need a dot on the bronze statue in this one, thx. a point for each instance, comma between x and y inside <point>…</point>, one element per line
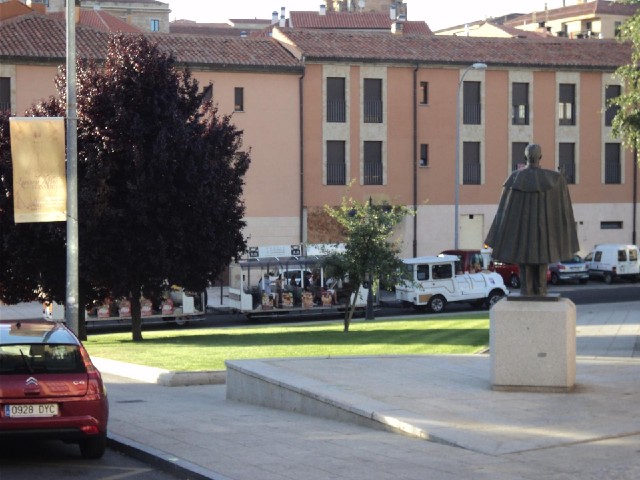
<point>534,225</point>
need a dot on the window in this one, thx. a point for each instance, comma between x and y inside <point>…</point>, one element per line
<point>520,104</point>
<point>373,163</point>
<point>336,105</point>
<point>372,100</point>
<point>566,164</point>
<point>424,155</point>
<point>422,272</point>
<point>612,166</point>
<point>155,25</point>
<point>566,105</point>
<point>424,93</point>
<point>239,99</point>
<point>611,92</point>
<point>518,159</point>
<point>617,27</point>
<point>608,225</point>
<point>471,109</point>
<point>471,163</point>
<point>336,165</point>
<point>441,271</point>
<point>207,93</point>
<point>30,358</point>
<point>5,93</point>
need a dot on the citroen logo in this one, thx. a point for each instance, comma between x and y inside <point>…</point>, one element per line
<point>31,381</point>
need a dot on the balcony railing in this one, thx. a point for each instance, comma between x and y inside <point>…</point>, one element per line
<point>5,106</point>
<point>471,174</point>
<point>373,111</point>
<point>336,173</point>
<point>612,172</point>
<point>471,113</point>
<point>336,111</point>
<point>372,173</point>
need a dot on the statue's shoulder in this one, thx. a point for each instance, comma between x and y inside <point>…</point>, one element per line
<point>533,180</point>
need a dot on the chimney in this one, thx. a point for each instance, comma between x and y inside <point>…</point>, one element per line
<point>392,12</point>
<point>274,17</point>
<point>397,28</point>
<point>283,20</point>
<point>323,10</point>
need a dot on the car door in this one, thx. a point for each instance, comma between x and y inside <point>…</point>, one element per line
<point>442,279</point>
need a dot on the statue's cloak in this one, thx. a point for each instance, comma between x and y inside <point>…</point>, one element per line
<point>534,223</point>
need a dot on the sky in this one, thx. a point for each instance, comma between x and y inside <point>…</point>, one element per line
<point>437,13</point>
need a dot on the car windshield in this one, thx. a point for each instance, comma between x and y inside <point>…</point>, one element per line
<point>29,358</point>
<point>575,259</point>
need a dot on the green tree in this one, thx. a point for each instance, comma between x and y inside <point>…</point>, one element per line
<point>370,255</point>
<point>160,176</point>
<point>626,123</point>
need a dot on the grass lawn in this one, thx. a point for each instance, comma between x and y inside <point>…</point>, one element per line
<point>207,349</point>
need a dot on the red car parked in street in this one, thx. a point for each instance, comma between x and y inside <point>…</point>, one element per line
<point>49,388</point>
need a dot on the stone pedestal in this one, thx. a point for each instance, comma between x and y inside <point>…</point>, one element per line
<point>533,345</point>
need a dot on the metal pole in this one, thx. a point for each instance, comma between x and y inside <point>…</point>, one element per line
<point>456,242</point>
<point>634,203</point>
<point>72,293</point>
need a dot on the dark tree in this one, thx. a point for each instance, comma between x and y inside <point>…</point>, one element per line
<point>160,176</point>
<point>31,254</point>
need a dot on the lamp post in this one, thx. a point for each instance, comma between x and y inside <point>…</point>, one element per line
<point>475,66</point>
<point>72,291</point>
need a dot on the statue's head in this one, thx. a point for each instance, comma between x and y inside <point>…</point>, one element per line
<point>533,154</point>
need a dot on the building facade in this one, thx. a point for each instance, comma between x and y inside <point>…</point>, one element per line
<point>399,118</point>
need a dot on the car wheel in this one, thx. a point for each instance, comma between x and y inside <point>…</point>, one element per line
<point>554,278</point>
<point>608,278</point>
<point>494,297</point>
<point>437,304</point>
<point>93,447</point>
<point>514,281</point>
<point>583,281</point>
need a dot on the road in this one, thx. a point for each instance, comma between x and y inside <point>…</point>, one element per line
<point>52,460</point>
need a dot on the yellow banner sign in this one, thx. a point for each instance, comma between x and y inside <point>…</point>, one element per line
<point>39,181</point>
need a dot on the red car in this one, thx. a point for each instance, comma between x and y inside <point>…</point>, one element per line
<point>49,387</point>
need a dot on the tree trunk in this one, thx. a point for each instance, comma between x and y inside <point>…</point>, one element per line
<point>351,307</point>
<point>136,318</point>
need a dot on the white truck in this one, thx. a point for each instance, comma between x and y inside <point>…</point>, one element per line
<point>432,284</point>
<point>610,261</point>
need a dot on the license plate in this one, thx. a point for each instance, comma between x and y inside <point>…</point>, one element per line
<point>36,410</point>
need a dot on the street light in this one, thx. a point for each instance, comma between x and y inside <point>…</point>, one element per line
<point>475,66</point>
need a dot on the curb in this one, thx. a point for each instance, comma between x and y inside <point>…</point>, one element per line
<point>161,460</point>
<point>160,376</point>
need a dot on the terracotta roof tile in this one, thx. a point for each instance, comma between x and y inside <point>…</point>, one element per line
<point>351,21</point>
<point>551,52</point>
<point>35,37</point>
<point>100,20</point>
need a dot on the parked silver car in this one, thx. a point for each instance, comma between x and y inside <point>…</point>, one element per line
<point>572,269</point>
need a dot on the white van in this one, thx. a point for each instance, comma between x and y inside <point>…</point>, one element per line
<point>614,260</point>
